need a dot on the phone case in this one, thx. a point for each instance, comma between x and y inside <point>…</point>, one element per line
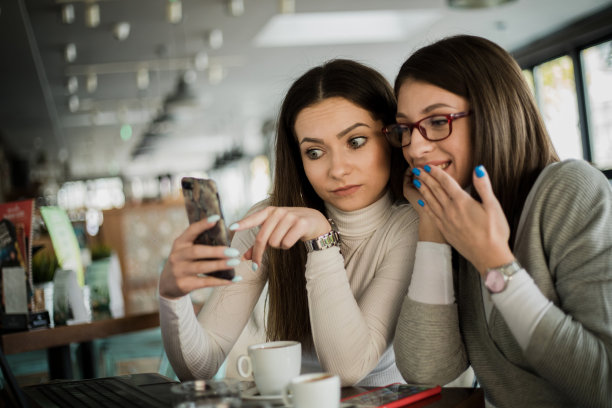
<point>391,396</point>
<point>202,201</point>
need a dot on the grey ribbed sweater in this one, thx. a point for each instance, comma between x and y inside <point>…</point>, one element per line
<point>564,241</point>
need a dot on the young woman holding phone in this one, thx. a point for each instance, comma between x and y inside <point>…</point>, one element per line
<point>517,245</point>
<point>333,244</point>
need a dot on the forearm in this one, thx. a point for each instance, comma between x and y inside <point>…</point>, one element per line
<point>189,349</point>
<point>344,342</point>
<point>428,345</point>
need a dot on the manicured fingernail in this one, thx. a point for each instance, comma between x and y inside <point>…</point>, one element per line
<point>480,171</point>
<point>254,266</point>
<point>237,278</point>
<point>213,218</point>
<point>234,226</point>
<point>233,262</point>
<point>427,168</point>
<point>416,171</point>
<point>417,183</point>
<point>421,203</point>
<point>231,252</point>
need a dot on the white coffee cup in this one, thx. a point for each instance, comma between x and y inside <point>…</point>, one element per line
<point>272,364</point>
<point>316,390</point>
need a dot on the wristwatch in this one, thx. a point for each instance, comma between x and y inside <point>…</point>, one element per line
<point>496,279</point>
<point>332,238</point>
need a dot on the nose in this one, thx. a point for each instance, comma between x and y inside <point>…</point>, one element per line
<point>340,164</point>
<point>418,146</point>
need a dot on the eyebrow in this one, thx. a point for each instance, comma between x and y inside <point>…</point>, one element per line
<point>427,110</point>
<point>339,135</point>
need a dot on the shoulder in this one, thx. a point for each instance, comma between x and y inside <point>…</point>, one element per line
<point>402,219</point>
<point>567,184</point>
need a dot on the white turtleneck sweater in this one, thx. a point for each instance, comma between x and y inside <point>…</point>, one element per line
<point>354,297</point>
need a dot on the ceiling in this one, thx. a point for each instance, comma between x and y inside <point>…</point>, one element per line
<point>238,86</point>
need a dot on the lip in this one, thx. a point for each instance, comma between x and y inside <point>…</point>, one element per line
<point>346,190</point>
<point>436,163</point>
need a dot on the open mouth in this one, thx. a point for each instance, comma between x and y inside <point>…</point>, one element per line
<point>444,165</point>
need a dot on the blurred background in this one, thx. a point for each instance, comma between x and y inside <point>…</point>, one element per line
<point>106,104</point>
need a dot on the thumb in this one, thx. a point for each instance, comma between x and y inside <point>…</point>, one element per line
<point>483,187</point>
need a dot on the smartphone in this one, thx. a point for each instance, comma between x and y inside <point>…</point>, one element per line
<point>202,201</point>
<point>391,396</point>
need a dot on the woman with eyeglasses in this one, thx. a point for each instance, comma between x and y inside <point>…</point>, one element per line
<point>517,246</point>
<point>332,242</point>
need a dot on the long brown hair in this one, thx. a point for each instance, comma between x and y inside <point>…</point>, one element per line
<point>507,132</point>
<point>288,316</point>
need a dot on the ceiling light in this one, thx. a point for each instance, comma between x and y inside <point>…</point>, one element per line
<point>121,30</point>
<point>468,4</point>
<point>70,52</point>
<point>356,27</point>
<point>73,103</point>
<point>286,6</point>
<point>174,11</point>
<point>200,61</point>
<point>235,7</point>
<point>216,73</point>
<point>142,78</point>
<point>72,85</point>
<point>92,15</point>
<point>91,83</point>
<point>67,14</point>
<point>215,38</point>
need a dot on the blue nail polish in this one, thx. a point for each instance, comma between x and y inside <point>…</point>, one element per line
<point>427,168</point>
<point>233,262</point>
<point>237,278</point>
<point>417,183</point>
<point>480,171</point>
<point>421,203</point>
<point>416,171</point>
<point>233,227</point>
<point>231,252</point>
<point>254,266</point>
<point>213,218</point>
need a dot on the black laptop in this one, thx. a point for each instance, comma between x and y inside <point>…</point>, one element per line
<point>135,390</point>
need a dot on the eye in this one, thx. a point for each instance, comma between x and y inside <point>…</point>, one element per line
<point>357,142</point>
<point>438,121</point>
<point>314,154</point>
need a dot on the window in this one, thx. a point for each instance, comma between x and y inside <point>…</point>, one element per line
<point>597,63</point>
<point>556,95</point>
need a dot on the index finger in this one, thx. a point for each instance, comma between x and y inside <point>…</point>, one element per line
<point>450,186</point>
<point>252,220</point>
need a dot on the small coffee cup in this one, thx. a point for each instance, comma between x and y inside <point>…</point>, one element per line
<point>272,365</point>
<point>317,390</point>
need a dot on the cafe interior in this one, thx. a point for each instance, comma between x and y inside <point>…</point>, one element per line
<point>106,104</point>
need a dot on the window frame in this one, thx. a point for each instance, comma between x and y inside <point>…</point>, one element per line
<point>571,41</point>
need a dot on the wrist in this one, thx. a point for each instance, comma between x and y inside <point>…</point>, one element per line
<point>429,233</point>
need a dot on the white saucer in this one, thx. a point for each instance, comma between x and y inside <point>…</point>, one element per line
<point>252,394</point>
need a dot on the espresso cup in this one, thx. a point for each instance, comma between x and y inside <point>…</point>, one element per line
<point>272,365</point>
<point>317,390</point>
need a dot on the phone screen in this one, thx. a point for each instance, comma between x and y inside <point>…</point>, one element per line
<point>393,395</point>
<point>202,201</point>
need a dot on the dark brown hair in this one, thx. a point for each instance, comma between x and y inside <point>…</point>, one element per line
<point>507,132</point>
<point>288,316</point>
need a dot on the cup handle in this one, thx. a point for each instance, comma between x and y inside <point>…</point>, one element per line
<point>287,396</point>
<point>239,363</point>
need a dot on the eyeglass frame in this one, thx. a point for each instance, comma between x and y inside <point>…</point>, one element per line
<point>450,117</point>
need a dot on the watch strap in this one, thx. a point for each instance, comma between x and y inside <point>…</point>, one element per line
<point>328,240</point>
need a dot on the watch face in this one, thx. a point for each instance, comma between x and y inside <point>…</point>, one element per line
<point>495,281</point>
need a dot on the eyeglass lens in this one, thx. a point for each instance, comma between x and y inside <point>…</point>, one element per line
<point>433,128</point>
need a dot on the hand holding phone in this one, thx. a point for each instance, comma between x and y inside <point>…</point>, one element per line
<point>202,201</point>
